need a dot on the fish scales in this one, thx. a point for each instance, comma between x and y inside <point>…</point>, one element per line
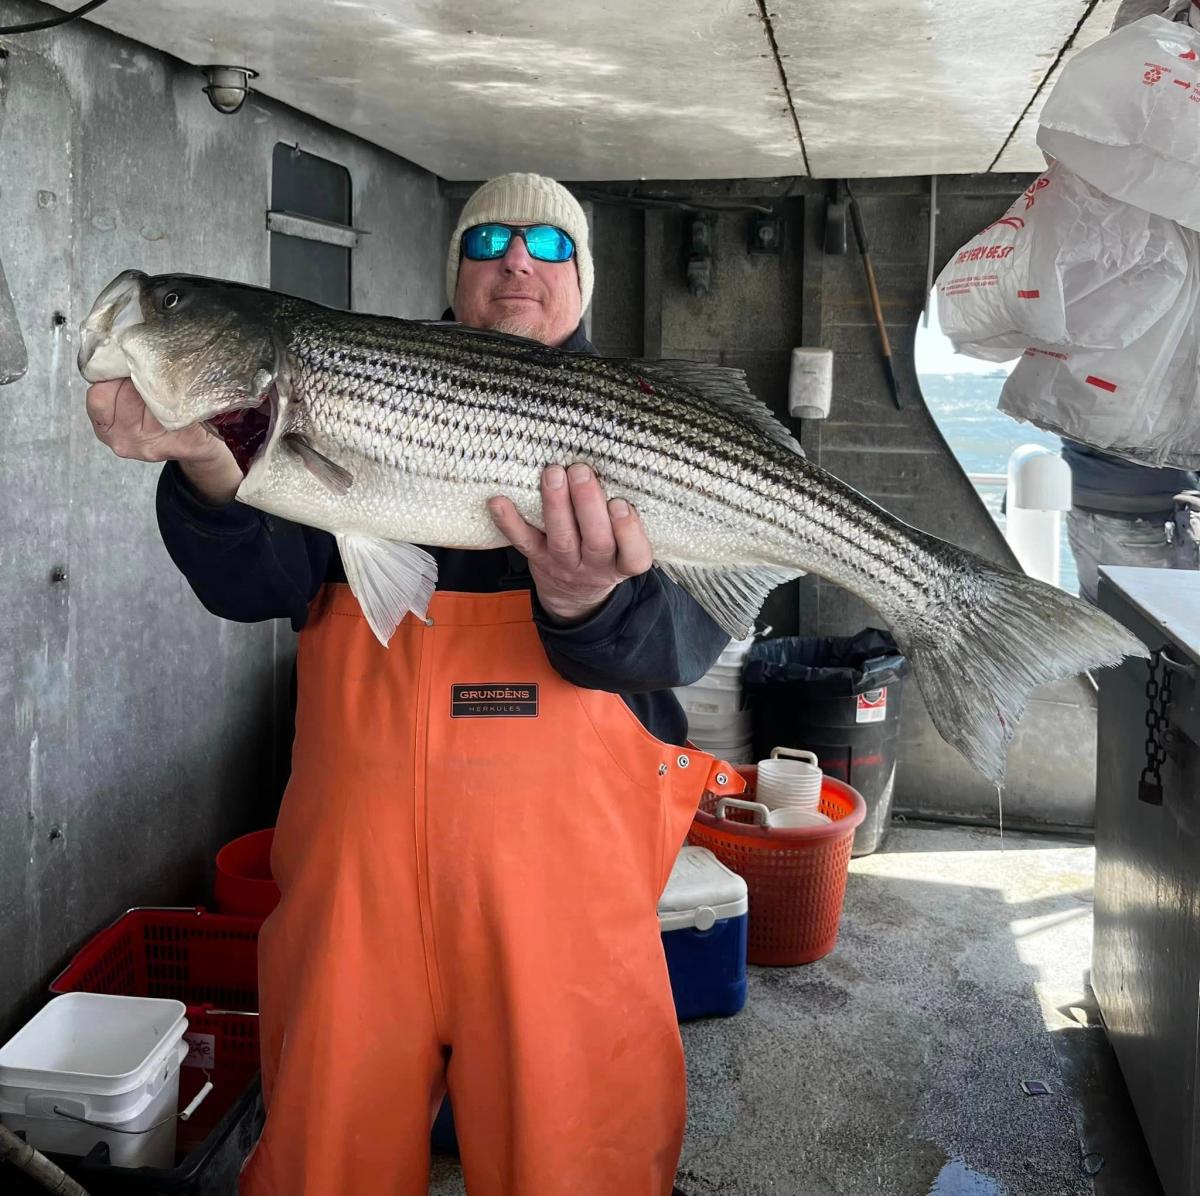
<point>405,423</point>
<point>460,420</point>
<point>383,431</point>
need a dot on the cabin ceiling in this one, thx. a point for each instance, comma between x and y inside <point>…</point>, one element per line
<point>625,89</point>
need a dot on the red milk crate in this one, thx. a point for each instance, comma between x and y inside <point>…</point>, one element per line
<point>207,961</point>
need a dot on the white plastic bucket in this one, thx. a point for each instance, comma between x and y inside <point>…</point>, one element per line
<point>725,731</point>
<point>732,753</point>
<point>790,780</point>
<point>722,680</point>
<point>725,668</point>
<point>696,699</point>
<point>111,1060</point>
<point>737,723</point>
<point>735,651</point>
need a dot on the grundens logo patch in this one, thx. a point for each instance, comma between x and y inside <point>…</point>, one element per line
<point>504,699</point>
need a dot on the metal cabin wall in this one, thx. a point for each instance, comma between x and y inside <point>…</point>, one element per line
<point>900,459</point>
<point>137,732</point>
<point>759,308</point>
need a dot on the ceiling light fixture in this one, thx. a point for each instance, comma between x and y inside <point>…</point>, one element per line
<point>228,86</point>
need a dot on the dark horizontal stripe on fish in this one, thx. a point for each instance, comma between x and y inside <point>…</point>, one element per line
<point>609,403</point>
<point>611,417</point>
<point>839,520</point>
<point>462,424</point>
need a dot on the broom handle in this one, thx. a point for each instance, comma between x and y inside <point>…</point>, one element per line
<point>860,234</point>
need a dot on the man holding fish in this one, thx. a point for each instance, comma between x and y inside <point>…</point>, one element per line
<point>477,827</point>
<point>482,814</point>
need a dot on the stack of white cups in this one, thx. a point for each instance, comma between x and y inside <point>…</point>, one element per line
<point>789,785</point>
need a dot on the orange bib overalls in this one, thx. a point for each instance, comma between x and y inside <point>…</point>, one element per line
<point>470,854</point>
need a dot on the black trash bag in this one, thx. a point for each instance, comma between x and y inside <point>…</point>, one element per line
<point>825,665</point>
<point>839,697</point>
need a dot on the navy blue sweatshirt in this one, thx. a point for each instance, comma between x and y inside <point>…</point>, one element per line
<point>1115,486</point>
<point>246,565</point>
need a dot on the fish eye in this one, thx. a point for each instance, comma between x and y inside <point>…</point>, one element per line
<point>169,300</point>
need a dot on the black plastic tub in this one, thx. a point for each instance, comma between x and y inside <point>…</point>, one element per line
<point>209,1170</point>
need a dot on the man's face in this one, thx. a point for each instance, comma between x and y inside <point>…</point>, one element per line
<point>520,295</point>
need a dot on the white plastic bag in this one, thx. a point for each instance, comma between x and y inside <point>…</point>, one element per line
<point>1065,265</point>
<point>1125,116</point>
<point>1141,402</point>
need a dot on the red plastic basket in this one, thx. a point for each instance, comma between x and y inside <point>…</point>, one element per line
<point>796,879</point>
<point>207,961</point>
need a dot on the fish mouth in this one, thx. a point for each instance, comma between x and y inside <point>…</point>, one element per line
<point>101,358</point>
<point>246,430</point>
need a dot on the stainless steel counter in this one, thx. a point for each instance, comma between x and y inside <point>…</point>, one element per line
<point>1146,954</point>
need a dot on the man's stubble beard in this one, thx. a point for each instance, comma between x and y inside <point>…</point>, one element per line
<point>528,326</point>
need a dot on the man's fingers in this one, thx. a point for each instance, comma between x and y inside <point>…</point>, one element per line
<point>597,544</point>
<point>558,515</point>
<point>525,538</point>
<point>101,403</point>
<point>117,412</point>
<point>635,554</point>
<point>132,416</point>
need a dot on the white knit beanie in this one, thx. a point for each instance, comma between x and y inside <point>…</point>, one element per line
<point>524,199</point>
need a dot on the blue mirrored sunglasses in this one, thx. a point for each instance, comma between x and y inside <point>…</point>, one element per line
<point>486,242</point>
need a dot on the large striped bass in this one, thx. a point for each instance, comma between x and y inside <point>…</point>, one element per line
<point>390,433</point>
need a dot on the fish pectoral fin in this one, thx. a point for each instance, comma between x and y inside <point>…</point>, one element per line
<point>329,473</point>
<point>388,578</point>
<point>733,597</point>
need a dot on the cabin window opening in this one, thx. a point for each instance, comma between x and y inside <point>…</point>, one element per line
<point>307,185</point>
<point>962,394</point>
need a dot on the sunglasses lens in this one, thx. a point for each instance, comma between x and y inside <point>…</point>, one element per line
<point>486,241</point>
<point>549,244</point>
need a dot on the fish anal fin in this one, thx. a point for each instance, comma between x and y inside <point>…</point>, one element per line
<point>388,578</point>
<point>733,597</point>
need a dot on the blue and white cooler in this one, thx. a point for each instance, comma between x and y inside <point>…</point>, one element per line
<point>702,916</point>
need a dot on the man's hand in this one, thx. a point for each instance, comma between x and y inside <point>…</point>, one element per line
<point>122,421</point>
<point>589,547</point>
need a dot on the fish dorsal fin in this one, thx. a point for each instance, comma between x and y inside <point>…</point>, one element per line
<point>388,578</point>
<point>723,387</point>
<point>733,597</point>
<point>488,334</point>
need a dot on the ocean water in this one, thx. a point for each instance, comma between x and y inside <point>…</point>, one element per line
<point>982,439</point>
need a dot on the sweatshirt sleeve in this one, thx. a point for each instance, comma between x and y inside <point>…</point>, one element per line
<point>650,634</point>
<point>242,564</point>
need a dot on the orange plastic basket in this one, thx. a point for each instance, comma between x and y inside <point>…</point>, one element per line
<point>796,878</point>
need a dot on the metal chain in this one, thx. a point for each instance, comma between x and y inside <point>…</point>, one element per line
<point>1158,723</point>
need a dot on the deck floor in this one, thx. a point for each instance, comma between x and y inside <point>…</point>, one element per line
<point>895,1064</point>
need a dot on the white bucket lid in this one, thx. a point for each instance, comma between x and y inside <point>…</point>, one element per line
<point>700,892</point>
<point>94,1043</point>
<point>736,649</point>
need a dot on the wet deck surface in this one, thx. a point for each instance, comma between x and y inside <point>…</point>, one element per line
<point>895,1065</point>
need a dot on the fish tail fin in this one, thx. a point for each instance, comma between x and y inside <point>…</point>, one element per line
<point>978,656</point>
